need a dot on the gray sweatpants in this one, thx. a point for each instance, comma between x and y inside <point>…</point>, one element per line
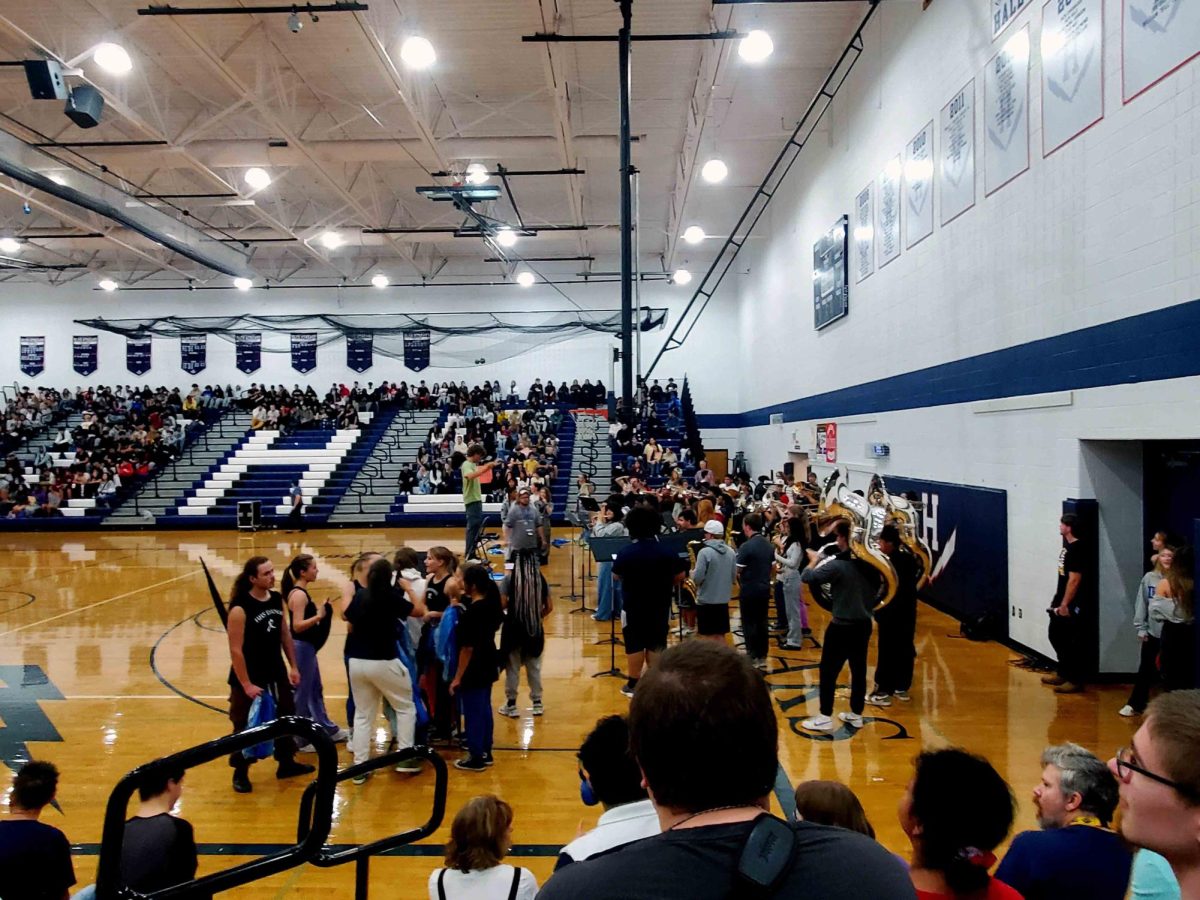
<point>512,675</point>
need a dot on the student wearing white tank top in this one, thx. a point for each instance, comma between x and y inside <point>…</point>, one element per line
<point>480,836</point>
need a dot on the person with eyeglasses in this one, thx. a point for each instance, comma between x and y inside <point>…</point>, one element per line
<point>1159,782</point>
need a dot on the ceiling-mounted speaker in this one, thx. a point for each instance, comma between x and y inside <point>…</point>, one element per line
<point>45,79</point>
<point>85,105</point>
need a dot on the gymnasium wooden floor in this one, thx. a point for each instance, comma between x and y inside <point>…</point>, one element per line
<point>111,655</point>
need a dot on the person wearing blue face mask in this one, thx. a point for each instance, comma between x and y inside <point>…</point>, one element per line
<point>609,775</point>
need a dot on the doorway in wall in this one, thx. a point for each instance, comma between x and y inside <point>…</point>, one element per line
<point>1172,489</point>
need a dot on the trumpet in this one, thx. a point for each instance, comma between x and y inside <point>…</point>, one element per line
<point>688,590</point>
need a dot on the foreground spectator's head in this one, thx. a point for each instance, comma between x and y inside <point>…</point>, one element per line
<point>831,803</point>
<point>480,835</point>
<point>956,811</point>
<point>607,768</point>
<point>1075,782</point>
<point>34,786</point>
<point>703,705</point>
<point>160,782</point>
<point>1159,777</point>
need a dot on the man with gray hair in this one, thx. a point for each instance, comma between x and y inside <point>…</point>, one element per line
<point>1075,855</point>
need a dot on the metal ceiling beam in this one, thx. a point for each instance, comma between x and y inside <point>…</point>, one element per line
<point>771,183</point>
<point>564,136</point>
<point>554,38</point>
<point>232,81</point>
<point>306,8</point>
<point>708,74</point>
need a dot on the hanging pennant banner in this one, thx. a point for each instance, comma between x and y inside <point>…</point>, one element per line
<point>85,357</point>
<point>416,349</point>
<point>1006,113</point>
<point>193,353</point>
<point>864,234</point>
<point>887,209</point>
<point>33,355</point>
<point>249,352</point>
<point>957,154</point>
<point>304,351</point>
<point>137,355</point>
<point>359,351</point>
<point>918,187</point>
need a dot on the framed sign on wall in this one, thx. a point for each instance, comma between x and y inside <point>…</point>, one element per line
<point>831,297</point>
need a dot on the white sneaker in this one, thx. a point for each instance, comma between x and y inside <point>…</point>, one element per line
<point>510,710</point>
<point>817,723</point>
<point>340,736</point>
<point>879,699</point>
<point>902,695</point>
<point>854,720</point>
<point>1128,711</point>
<point>309,748</point>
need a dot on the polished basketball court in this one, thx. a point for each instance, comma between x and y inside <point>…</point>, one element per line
<point>112,655</point>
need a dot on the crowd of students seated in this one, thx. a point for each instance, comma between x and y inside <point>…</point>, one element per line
<point>669,828</point>
<point>28,412</point>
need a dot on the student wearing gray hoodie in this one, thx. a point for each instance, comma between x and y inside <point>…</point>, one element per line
<point>716,566</point>
<point>1149,613</point>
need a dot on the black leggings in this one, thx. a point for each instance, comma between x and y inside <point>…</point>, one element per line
<point>1179,656</point>
<point>845,642</point>
<point>1147,674</point>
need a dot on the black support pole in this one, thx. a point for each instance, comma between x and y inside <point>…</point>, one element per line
<point>623,44</point>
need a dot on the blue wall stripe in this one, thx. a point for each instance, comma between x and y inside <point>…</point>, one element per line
<point>1151,346</point>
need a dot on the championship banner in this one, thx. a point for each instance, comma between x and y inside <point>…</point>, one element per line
<point>956,174</point>
<point>887,235</point>
<point>249,352</point>
<point>360,351</point>
<point>1006,113</point>
<point>304,351</point>
<point>864,234</point>
<point>967,530</point>
<point>33,355</point>
<point>918,187</point>
<point>86,352</point>
<point>193,353</point>
<point>416,349</point>
<point>1072,70</point>
<point>1004,11</point>
<point>1157,37</point>
<point>137,354</point>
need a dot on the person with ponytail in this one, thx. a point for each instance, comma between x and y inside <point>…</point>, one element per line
<point>522,639</point>
<point>478,663</point>
<point>376,670</point>
<point>256,635</point>
<point>310,630</point>
<point>956,811</point>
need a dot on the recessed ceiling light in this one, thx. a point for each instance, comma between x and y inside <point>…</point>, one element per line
<point>243,284</point>
<point>108,284</point>
<point>257,178</point>
<point>681,276</point>
<point>694,234</point>
<point>112,58</point>
<point>10,245</point>
<point>477,173</point>
<point>525,279</point>
<point>756,46</point>
<point>418,53</point>
<point>506,237</point>
<point>379,280</point>
<point>331,240</point>
<point>713,171</point>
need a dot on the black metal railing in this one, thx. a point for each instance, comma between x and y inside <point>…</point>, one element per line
<point>315,824</point>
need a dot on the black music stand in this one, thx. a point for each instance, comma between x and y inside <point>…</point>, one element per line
<point>578,521</point>
<point>605,549</point>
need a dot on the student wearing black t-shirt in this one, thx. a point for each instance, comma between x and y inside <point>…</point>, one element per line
<point>35,858</point>
<point>376,670</point>
<point>258,632</point>
<point>310,630</point>
<point>647,572</point>
<point>440,566</point>
<point>478,663</point>
<point>704,705</point>
<point>1068,613</point>
<point>897,624</point>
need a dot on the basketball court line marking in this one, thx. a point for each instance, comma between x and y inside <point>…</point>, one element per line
<point>98,603</point>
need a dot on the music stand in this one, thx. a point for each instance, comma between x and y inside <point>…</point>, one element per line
<point>605,549</point>
<point>577,520</point>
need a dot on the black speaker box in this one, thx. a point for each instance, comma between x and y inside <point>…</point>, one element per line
<point>85,105</point>
<point>45,79</point>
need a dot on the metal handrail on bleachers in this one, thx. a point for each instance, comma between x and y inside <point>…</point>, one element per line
<point>313,829</point>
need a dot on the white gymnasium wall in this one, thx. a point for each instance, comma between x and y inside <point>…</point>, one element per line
<point>1105,228</point>
<point>41,310</point>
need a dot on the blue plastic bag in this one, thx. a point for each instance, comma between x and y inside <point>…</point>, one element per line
<point>262,711</point>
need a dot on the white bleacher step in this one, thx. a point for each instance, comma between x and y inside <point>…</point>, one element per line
<point>72,511</point>
<point>442,503</point>
<point>80,503</point>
